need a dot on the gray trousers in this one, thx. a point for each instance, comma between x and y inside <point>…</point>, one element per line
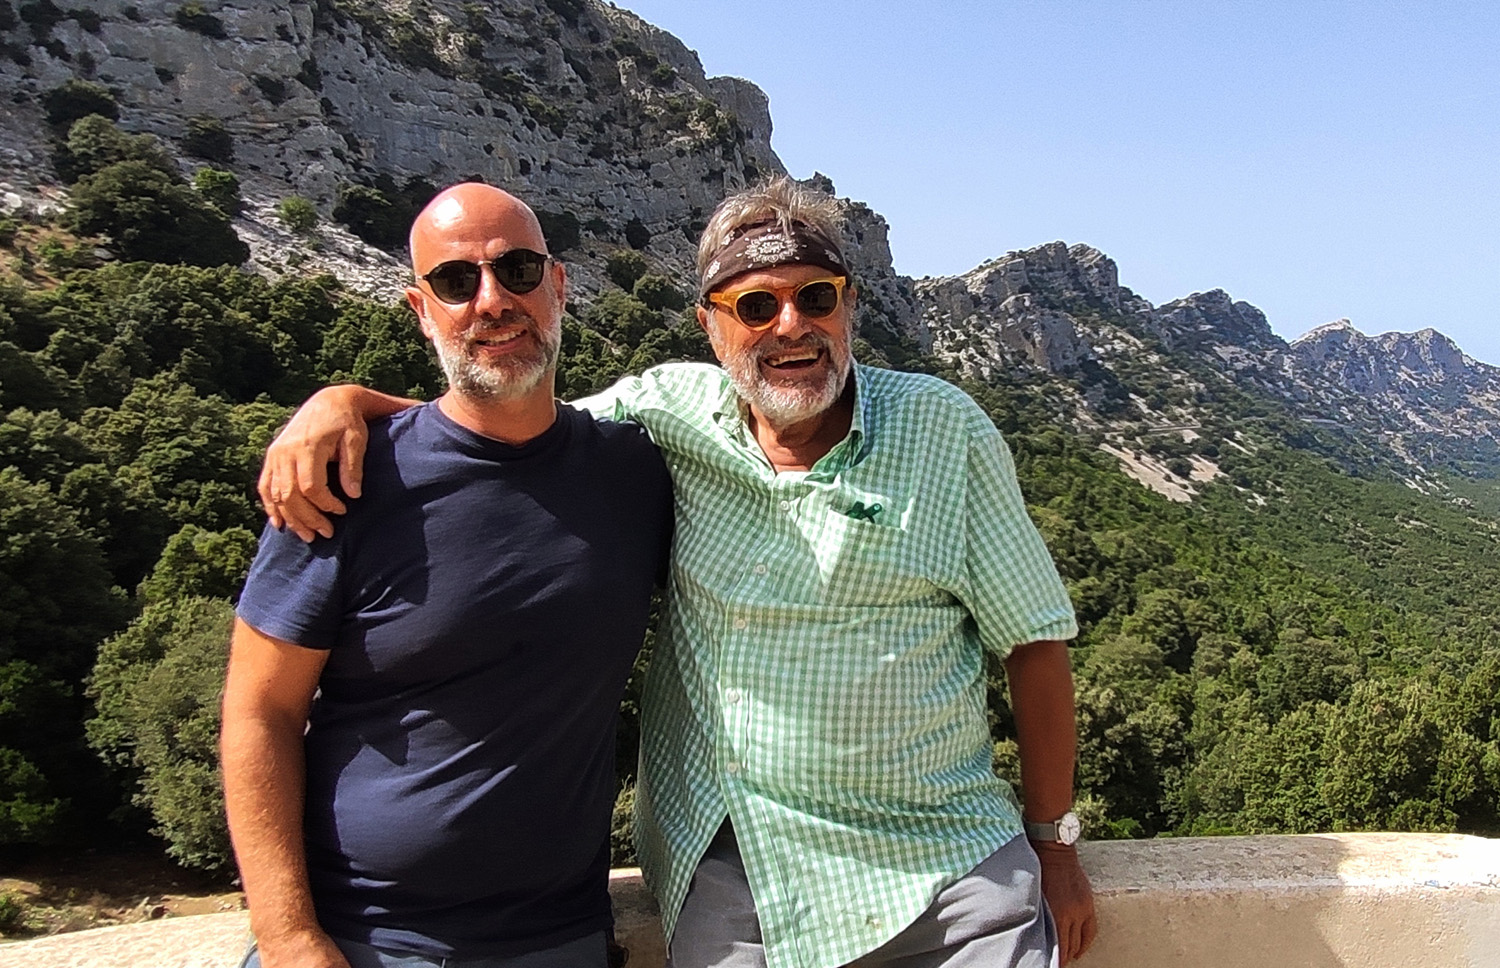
<point>992,917</point>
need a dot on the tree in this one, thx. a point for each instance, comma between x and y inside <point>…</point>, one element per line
<point>151,216</point>
<point>658,293</point>
<point>156,687</point>
<point>1384,757</point>
<point>624,267</point>
<point>74,99</point>
<point>207,138</point>
<point>94,143</point>
<point>221,188</point>
<point>381,347</point>
<point>297,214</point>
<point>207,564</point>
<point>369,214</point>
<point>55,604</point>
<point>621,317</point>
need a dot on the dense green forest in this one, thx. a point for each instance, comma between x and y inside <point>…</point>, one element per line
<point>1301,649</point>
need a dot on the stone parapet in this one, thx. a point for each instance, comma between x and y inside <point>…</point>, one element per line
<point>1315,901</point>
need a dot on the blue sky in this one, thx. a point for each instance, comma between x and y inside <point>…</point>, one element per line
<point>1317,159</point>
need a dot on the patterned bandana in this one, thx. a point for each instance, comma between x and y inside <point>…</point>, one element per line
<point>765,245</point>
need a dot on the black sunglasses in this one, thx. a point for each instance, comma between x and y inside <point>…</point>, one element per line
<point>519,271</point>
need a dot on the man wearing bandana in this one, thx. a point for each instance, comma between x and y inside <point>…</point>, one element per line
<point>815,784</point>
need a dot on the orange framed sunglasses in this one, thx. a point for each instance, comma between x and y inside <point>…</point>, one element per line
<point>757,309</point>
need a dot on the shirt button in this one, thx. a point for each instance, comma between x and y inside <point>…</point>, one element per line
<point>760,569</point>
<point>732,696</point>
<point>740,623</point>
<point>732,767</point>
<point>786,505</point>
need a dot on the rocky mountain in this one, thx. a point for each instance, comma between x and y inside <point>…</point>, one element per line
<point>611,129</point>
<point>1060,311</point>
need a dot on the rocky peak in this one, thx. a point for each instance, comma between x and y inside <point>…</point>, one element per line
<point>1405,365</point>
<point>1206,320</point>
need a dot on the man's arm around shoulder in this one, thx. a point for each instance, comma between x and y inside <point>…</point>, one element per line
<point>267,695</point>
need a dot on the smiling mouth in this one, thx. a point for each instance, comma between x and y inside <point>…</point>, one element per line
<point>500,339</point>
<point>794,360</point>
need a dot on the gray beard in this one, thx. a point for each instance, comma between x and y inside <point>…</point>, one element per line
<point>782,406</point>
<point>505,380</point>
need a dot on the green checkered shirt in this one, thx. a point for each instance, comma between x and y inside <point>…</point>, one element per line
<point>819,677</point>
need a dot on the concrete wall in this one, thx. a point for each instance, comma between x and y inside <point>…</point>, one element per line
<point>1317,901</point>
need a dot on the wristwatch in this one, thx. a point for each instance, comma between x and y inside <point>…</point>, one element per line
<point>1064,830</point>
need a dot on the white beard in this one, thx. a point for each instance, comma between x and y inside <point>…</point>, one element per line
<point>782,405</point>
<point>505,379</point>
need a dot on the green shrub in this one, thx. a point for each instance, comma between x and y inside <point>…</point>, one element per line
<point>9,229</point>
<point>297,214</point>
<point>151,216</point>
<point>659,293</point>
<point>192,16</point>
<point>624,267</point>
<point>221,188</point>
<point>13,916</point>
<point>622,317</point>
<point>209,564</point>
<point>371,215</point>
<point>74,99</point>
<point>94,143</point>
<point>662,75</point>
<point>156,687</point>
<point>207,138</point>
<point>60,256</point>
<point>621,832</point>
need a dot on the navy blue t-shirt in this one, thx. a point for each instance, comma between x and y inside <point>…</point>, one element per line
<point>482,605</point>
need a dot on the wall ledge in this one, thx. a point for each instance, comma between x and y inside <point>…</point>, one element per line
<point>1314,901</point>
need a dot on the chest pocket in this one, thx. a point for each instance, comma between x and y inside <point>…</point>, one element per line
<point>867,554</point>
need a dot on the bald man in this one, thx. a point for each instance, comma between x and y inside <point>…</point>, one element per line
<point>419,716</point>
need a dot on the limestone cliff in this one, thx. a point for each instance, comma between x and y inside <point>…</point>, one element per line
<point>613,132</point>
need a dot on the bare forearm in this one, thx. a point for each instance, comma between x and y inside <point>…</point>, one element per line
<point>264,779</point>
<point>369,404</point>
<point>1041,697</point>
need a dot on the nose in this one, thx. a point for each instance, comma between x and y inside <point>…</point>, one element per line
<point>790,322</point>
<point>492,299</point>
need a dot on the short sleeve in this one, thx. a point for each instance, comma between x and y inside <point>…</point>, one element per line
<point>617,402</point>
<point>293,591</point>
<point>1013,589</point>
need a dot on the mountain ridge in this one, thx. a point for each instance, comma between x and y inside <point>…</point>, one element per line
<point>612,130</point>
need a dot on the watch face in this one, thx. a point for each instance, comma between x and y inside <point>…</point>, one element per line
<point>1068,828</point>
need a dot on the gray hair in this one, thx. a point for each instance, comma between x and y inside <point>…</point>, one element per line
<point>781,198</point>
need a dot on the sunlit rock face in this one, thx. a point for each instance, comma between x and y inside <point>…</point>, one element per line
<point>609,127</point>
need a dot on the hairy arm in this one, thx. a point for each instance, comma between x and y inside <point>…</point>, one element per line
<point>267,695</point>
<point>1041,696</point>
<point>329,426</point>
